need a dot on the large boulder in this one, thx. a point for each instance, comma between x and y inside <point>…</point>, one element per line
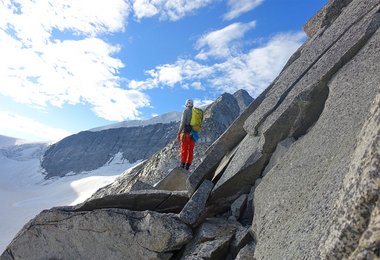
<point>175,180</point>
<point>99,234</point>
<point>191,212</point>
<point>211,240</point>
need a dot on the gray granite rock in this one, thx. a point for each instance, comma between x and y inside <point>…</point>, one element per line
<point>348,23</point>
<point>223,164</point>
<point>247,252</point>
<point>238,206</point>
<point>354,230</point>
<point>306,98</point>
<point>325,16</point>
<point>281,149</point>
<point>241,239</point>
<point>174,181</point>
<point>211,240</point>
<point>99,234</point>
<point>241,174</point>
<point>139,185</point>
<point>295,201</point>
<point>157,200</point>
<point>247,216</point>
<point>191,212</point>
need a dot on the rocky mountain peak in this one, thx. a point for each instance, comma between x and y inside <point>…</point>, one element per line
<point>243,98</point>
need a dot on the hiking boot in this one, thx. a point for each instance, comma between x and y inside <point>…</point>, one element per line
<point>182,165</point>
<point>187,166</point>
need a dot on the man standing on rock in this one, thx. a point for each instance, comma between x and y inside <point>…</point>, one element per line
<point>184,137</point>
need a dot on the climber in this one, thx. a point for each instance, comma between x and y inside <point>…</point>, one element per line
<point>187,135</point>
<point>184,137</point>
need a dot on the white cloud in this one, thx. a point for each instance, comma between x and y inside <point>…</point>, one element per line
<point>255,70</point>
<point>167,9</point>
<point>169,75</point>
<point>18,126</point>
<point>144,8</point>
<point>252,71</point>
<point>34,21</point>
<point>183,71</point>
<point>222,43</point>
<point>38,69</point>
<point>116,104</point>
<point>239,7</point>
<point>202,103</point>
<point>197,85</point>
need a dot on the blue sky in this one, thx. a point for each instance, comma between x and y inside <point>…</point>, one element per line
<point>68,66</point>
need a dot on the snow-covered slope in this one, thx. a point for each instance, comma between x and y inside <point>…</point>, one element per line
<point>164,119</point>
<point>24,192</point>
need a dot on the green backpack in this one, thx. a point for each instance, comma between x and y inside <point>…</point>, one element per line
<point>196,119</point>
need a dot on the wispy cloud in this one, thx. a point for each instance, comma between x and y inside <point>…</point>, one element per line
<point>202,103</point>
<point>14,125</point>
<point>37,68</point>
<point>167,10</point>
<point>34,21</point>
<point>239,7</point>
<point>176,9</point>
<point>253,70</point>
<point>222,43</point>
<point>187,71</point>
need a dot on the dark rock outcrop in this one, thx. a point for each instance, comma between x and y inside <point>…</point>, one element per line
<point>88,150</point>
<point>305,155</point>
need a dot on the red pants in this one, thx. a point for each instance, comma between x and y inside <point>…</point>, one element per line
<point>187,148</point>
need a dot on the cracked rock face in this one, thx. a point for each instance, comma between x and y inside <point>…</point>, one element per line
<point>296,200</point>
<point>355,230</point>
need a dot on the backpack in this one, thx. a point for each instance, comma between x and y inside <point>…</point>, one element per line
<point>196,119</point>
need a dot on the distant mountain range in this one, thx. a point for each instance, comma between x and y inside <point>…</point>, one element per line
<point>135,140</point>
